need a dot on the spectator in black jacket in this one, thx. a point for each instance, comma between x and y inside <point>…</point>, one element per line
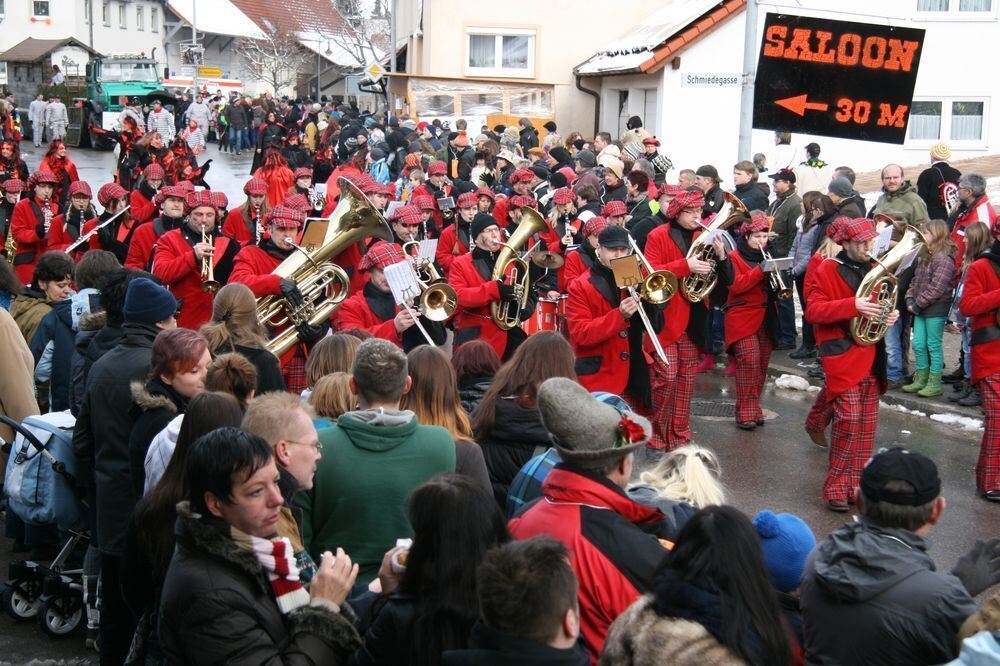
<point>847,202</point>
<point>528,135</point>
<point>931,181</point>
<point>747,189</point>
<point>707,179</point>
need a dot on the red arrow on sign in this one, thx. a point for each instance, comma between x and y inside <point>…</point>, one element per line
<point>800,104</point>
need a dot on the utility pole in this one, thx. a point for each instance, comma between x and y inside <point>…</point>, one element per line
<point>392,58</point>
<point>194,45</point>
<point>319,47</point>
<point>749,74</point>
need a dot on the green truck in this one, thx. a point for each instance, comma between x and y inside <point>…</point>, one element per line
<point>111,81</point>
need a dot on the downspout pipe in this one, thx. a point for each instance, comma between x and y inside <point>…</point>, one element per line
<point>597,102</point>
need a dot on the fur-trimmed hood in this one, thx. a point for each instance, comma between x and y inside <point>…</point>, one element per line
<point>211,537</point>
<point>93,321</point>
<point>154,394</point>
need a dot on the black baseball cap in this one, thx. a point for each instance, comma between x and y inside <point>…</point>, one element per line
<point>899,464</point>
<point>783,174</point>
<point>708,171</point>
<point>613,237</point>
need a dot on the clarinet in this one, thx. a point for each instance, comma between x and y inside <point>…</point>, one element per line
<point>47,212</point>
<point>258,227</point>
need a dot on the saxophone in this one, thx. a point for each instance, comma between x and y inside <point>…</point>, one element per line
<point>10,245</point>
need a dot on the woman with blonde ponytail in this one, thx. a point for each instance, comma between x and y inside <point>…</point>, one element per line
<point>234,328</point>
<point>684,481</point>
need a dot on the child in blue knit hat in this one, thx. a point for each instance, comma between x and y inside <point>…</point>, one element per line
<point>786,542</point>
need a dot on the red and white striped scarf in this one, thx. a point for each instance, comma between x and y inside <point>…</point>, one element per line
<point>277,557</point>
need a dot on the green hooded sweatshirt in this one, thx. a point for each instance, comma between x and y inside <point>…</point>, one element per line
<point>372,460</point>
<point>903,204</point>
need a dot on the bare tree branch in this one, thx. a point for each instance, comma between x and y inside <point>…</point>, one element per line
<point>276,58</point>
<point>366,33</point>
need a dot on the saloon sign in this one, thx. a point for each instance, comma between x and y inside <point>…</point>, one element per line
<point>836,78</point>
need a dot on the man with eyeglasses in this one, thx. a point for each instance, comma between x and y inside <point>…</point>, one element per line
<point>282,421</point>
<point>975,206</point>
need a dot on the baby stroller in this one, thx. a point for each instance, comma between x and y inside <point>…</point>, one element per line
<point>39,486</point>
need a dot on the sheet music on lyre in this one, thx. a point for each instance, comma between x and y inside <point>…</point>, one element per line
<point>402,282</point>
<point>427,251</point>
<point>882,241</point>
<point>907,261</point>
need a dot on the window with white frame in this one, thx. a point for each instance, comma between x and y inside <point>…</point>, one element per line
<point>959,7</point>
<point>500,52</point>
<point>40,8</point>
<point>3,73</point>
<point>154,19</point>
<point>140,18</point>
<point>3,10</point>
<point>122,15</point>
<point>106,12</point>
<point>955,120</point>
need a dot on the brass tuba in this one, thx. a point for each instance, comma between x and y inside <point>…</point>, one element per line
<point>881,286</point>
<point>323,284</point>
<point>696,287</point>
<point>514,270</point>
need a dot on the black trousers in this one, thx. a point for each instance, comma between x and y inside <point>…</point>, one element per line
<point>117,622</point>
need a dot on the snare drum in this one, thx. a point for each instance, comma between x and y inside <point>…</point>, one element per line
<point>544,317</point>
<point>562,315</point>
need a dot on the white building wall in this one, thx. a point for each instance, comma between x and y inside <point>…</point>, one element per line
<point>701,125</point>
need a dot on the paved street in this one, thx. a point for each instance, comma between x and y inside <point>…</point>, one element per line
<point>775,467</point>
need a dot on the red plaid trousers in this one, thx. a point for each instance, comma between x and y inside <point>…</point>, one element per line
<point>294,372</point>
<point>821,413</point>
<point>672,388</point>
<point>988,465</point>
<point>855,419</point>
<point>752,353</point>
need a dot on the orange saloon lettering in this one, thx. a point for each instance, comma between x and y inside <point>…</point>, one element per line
<point>848,50</point>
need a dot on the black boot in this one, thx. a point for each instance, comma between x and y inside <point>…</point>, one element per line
<point>955,376</point>
<point>960,392</point>
<point>971,400</point>
<point>803,352</point>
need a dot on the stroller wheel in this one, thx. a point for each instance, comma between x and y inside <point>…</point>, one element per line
<point>19,601</point>
<point>60,615</point>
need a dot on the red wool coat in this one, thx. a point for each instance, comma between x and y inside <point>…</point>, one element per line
<point>981,300</point>
<point>576,265</point>
<point>446,251</point>
<point>749,286</point>
<point>180,271</point>
<point>664,253</point>
<point>60,239</point>
<point>143,210</point>
<point>143,245</point>
<point>24,220</point>
<point>829,308</point>
<point>240,228</point>
<point>599,335</point>
<point>355,313</point>
<point>980,211</point>
<point>475,293</point>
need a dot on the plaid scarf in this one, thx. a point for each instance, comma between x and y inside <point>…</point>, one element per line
<point>277,558</point>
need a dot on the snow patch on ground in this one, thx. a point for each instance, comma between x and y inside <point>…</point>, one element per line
<point>963,422</point>
<point>792,382</point>
<point>901,408</point>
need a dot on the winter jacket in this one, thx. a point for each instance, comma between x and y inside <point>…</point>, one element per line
<point>90,345</point>
<point>490,647</point>
<point>676,512</point>
<point>103,427</point>
<point>929,184</point>
<point>879,587</point>
<point>469,461</point>
<point>155,404</point>
<point>17,395</point>
<point>980,301</point>
<point>642,637</point>
<point>471,391</point>
<point>159,453</point>
<point>217,606</point>
<point>57,328</point>
<point>852,206</point>
<point>268,367</point>
<point>384,637</point>
<point>904,204</point>
<point>372,460</point>
<point>751,195</point>
<point>802,249</point>
<point>612,542</point>
<point>980,210</point>
<point>517,436</point>
<point>983,649</point>
<point>930,291</point>
<point>813,177</point>
<point>713,202</point>
<point>29,309</point>
<point>785,209</point>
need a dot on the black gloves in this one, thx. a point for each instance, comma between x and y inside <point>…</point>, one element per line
<point>106,236</point>
<point>290,291</point>
<point>39,230</point>
<point>979,569</point>
<point>310,334</point>
<point>506,291</point>
<point>488,178</point>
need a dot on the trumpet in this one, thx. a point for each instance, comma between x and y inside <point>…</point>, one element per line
<point>779,286</point>
<point>208,281</point>
<point>93,232</point>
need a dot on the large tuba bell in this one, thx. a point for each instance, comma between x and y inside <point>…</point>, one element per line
<point>323,284</point>
<point>514,270</point>
<point>881,286</point>
<point>696,287</point>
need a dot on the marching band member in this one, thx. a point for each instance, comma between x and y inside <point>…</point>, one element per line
<point>855,375</point>
<point>454,240</point>
<point>142,199</point>
<point>246,223</point>
<point>304,186</point>
<point>405,224</point>
<point>381,195</point>
<point>68,226</point>
<point>435,188</point>
<point>472,278</point>
<point>254,266</point>
<point>181,256</point>
<point>750,316</point>
<point>171,201</point>
<point>30,223</point>
<point>428,209</point>
<point>685,323</point>
<point>640,228</point>
<point>520,184</point>
<point>614,212</point>
<point>486,199</point>
<point>117,236</point>
<point>563,216</point>
<point>581,259</point>
<point>374,309</point>
<point>981,301</point>
<point>606,335</point>
<point>10,194</point>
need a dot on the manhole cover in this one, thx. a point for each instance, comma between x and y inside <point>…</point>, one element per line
<point>713,408</point>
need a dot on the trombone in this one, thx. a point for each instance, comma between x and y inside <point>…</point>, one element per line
<point>657,288</point>
<point>438,300</point>
<point>208,282</point>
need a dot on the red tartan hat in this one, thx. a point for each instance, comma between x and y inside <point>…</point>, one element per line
<point>670,190</point>
<point>285,217</point>
<point>302,172</point>
<point>45,176</point>
<point>614,209</point>
<point>13,186</point>
<point>857,229</point>
<point>255,186</point>
<point>110,191</point>
<point>408,215</point>
<point>197,199</point>
<point>219,199</point>
<point>423,202</point>
<point>467,200</point>
<point>563,196</point>
<point>521,200</point>
<point>80,187</point>
<point>437,168</point>
<point>758,222</point>
<point>153,172</point>
<point>521,174</point>
<point>380,255</point>
<point>486,192</point>
<point>651,141</point>
<point>594,226</point>
<point>389,190</point>
<point>297,201</point>
<point>686,199</point>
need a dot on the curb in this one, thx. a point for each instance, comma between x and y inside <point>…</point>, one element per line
<point>928,406</point>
